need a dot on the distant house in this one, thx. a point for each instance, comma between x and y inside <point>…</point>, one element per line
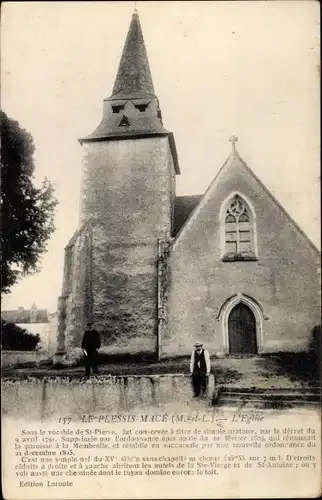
<point>36,321</point>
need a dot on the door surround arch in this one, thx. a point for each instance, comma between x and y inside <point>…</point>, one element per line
<point>256,310</point>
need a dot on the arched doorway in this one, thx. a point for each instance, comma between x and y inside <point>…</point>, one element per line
<point>242,330</point>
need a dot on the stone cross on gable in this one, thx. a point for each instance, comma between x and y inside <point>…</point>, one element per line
<point>233,139</point>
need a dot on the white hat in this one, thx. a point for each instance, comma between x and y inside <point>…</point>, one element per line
<point>196,344</point>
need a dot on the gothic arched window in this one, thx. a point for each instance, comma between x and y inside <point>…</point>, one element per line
<point>239,231</point>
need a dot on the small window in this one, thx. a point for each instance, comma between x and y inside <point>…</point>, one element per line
<point>239,238</point>
<point>159,114</point>
<point>141,107</point>
<point>117,109</point>
<point>124,122</point>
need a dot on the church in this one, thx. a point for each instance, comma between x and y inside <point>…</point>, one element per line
<point>154,271</point>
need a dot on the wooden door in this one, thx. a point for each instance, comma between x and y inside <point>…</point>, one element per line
<point>242,330</point>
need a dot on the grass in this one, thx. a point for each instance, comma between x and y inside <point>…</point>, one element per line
<point>297,366</point>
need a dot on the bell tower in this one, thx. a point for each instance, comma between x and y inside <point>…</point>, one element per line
<point>126,212</point>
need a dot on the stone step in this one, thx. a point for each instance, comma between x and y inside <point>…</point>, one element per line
<point>273,397</point>
<point>270,390</point>
<point>267,404</point>
<point>270,400</point>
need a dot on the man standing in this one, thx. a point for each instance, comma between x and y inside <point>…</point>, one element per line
<point>90,343</point>
<point>199,368</point>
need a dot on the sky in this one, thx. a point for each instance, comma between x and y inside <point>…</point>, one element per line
<point>219,68</point>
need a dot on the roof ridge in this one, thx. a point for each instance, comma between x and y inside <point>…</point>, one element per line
<point>189,195</point>
<point>281,207</point>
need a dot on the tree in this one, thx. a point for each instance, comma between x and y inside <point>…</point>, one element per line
<point>27,212</point>
<point>14,338</point>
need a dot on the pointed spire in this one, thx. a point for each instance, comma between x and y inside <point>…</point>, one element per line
<point>133,109</point>
<point>133,78</point>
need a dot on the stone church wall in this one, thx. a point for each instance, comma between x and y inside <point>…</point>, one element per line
<point>127,194</point>
<point>283,282</point>
<point>75,303</point>
<point>124,294</point>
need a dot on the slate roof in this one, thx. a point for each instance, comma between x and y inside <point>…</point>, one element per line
<point>25,316</point>
<point>133,79</point>
<point>143,126</point>
<point>183,207</point>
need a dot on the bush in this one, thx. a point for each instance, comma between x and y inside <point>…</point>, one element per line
<point>14,338</point>
<point>316,339</point>
<point>315,348</point>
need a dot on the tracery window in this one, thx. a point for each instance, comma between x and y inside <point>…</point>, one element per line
<point>239,231</point>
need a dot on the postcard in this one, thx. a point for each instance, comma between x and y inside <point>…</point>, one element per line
<point>161,299</point>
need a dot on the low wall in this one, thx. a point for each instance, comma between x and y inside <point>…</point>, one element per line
<point>106,354</point>
<point>15,358</point>
<point>46,398</point>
